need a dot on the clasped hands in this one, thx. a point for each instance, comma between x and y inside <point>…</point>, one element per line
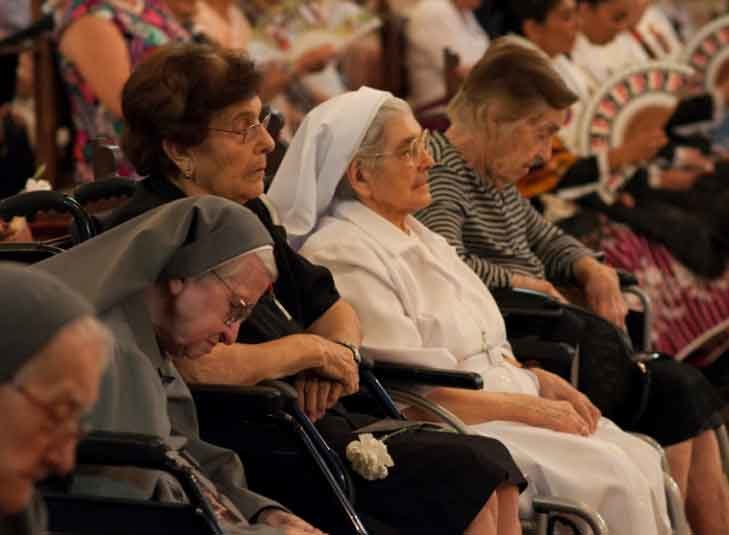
<point>563,408</point>
<point>320,388</point>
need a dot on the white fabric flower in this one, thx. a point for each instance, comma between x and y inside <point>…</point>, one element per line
<point>369,457</point>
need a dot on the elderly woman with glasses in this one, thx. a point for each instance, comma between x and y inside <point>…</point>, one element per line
<point>53,353</point>
<point>171,284</point>
<point>355,172</point>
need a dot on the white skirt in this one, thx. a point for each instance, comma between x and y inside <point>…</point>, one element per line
<point>617,474</point>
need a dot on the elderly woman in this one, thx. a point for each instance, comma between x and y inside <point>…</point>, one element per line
<point>53,355</point>
<point>192,125</point>
<point>173,283</point>
<point>420,304</point>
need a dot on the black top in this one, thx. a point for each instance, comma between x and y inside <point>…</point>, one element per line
<point>305,290</point>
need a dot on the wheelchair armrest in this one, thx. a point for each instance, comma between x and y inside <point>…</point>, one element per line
<point>122,449</point>
<point>27,252</point>
<point>415,375</point>
<point>521,302</point>
<point>556,357</point>
<point>219,402</point>
<point>107,188</point>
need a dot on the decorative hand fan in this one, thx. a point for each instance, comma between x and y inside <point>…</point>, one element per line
<point>633,101</point>
<point>630,103</point>
<point>708,53</point>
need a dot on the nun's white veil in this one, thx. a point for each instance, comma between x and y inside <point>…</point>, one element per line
<point>318,156</point>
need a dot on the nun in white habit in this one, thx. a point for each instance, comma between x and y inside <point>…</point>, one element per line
<point>353,174</point>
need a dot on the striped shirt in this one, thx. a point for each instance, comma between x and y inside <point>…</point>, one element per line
<point>495,231</point>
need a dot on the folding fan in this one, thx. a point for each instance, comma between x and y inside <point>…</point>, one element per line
<point>708,53</point>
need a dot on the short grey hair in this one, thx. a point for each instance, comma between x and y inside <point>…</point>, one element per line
<point>373,141</point>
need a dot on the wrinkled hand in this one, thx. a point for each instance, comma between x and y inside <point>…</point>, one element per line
<point>581,417</point>
<point>692,159</point>
<point>602,290</point>
<point>679,179</point>
<point>640,149</point>
<point>15,231</point>
<point>316,395</point>
<point>537,285</point>
<point>315,59</point>
<point>291,525</point>
<point>339,364</point>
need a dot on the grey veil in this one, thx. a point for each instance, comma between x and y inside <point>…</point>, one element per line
<point>36,307</point>
<point>181,239</point>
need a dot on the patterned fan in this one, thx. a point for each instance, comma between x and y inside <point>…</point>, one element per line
<point>708,53</point>
<point>631,102</point>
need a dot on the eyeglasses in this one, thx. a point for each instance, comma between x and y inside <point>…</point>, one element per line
<point>412,153</point>
<point>73,424</point>
<point>246,133</point>
<point>239,309</point>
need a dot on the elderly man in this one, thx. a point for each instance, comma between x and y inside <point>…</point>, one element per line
<point>53,353</point>
<point>173,283</point>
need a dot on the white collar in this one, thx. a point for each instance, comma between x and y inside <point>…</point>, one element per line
<point>383,231</point>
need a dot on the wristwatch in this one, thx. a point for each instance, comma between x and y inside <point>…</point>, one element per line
<point>353,348</point>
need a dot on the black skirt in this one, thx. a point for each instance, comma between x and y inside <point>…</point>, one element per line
<point>671,403</point>
<point>440,480</point>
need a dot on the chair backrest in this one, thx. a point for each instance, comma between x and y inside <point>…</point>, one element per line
<point>112,188</point>
<point>394,45</point>
<point>106,158</point>
<point>32,203</point>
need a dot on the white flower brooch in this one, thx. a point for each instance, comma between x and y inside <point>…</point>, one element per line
<point>369,457</point>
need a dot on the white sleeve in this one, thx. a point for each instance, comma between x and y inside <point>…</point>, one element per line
<point>433,27</point>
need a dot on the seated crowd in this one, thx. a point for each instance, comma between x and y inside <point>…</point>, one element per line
<point>378,238</point>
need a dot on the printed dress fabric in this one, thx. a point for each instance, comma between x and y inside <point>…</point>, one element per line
<point>145,25</point>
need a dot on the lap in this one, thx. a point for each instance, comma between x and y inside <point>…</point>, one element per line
<point>418,494</point>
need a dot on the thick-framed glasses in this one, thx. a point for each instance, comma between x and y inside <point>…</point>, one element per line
<point>74,424</point>
<point>413,152</point>
<point>249,132</point>
<point>239,309</point>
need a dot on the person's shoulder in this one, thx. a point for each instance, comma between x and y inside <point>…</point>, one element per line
<point>431,10</point>
<point>336,238</point>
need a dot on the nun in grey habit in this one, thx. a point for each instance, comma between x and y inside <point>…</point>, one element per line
<point>143,392</point>
<point>37,307</point>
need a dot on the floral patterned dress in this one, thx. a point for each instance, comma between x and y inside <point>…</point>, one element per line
<point>144,25</point>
